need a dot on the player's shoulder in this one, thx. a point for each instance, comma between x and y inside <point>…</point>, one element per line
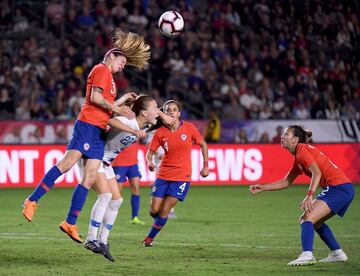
<point>188,125</point>
<point>100,68</point>
<point>302,148</point>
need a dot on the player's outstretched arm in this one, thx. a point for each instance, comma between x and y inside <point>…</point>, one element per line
<point>277,185</point>
<point>166,119</point>
<point>119,125</point>
<point>125,97</point>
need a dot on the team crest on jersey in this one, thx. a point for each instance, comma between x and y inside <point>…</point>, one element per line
<point>86,146</point>
<point>183,137</point>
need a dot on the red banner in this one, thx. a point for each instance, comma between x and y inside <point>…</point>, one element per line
<point>25,165</point>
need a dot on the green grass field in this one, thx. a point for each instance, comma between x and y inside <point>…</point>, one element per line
<point>219,231</point>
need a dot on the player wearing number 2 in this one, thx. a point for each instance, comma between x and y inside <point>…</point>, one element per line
<point>335,197</point>
<point>173,177</point>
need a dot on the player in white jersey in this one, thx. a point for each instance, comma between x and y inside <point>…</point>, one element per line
<point>109,200</point>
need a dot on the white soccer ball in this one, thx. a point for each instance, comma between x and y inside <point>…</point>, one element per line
<point>171,23</point>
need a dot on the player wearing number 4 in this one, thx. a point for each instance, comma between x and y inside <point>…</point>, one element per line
<point>173,177</point>
<point>335,197</point>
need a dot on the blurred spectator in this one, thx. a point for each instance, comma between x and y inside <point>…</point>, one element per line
<point>264,138</point>
<point>34,137</point>
<point>277,138</point>
<point>13,137</point>
<point>241,137</point>
<point>213,128</point>
<point>6,105</point>
<point>60,137</point>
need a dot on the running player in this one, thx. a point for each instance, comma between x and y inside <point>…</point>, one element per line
<point>125,166</point>
<point>88,137</point>
<point>335,197</point>
<point>173,177</point>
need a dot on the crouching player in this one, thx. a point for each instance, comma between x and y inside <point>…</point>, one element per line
<point>335,197</point>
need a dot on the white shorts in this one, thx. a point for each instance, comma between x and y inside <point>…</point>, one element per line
<point>108,170</point>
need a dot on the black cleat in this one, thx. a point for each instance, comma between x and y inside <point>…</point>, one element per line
<point>93,246</point>
<point>106,252</point>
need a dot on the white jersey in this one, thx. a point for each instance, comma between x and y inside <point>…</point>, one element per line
<point>117,140</point>
<point>158,154</point>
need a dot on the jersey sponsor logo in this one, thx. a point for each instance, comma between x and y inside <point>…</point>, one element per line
<point>183,137</point>
<point>86,146</point>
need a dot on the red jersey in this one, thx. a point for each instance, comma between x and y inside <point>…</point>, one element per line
<point>306,155</point>
<point>100,76</point>
<point>176,162</point>
<point>127,157</point>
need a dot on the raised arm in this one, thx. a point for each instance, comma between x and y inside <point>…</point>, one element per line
<point>97,98</point>
<point>115,123</point>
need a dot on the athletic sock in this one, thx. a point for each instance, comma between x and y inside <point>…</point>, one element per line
<point>307,236</point>
<point>159,223</point>
<point>135,205</point>
<point>109,219</point>
<point>77,202</point>
<point>328,237</point>
<point>97,215</point>
<point>47,182</point>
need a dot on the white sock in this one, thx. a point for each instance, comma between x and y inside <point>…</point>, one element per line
<point>109,219</point>
<point>97,215</point>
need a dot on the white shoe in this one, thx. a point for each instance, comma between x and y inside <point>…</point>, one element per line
<point>172,214</point>
<point>335,256</point>
<point>306,258</point>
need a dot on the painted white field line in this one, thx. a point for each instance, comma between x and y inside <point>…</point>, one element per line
<point>130,234</point>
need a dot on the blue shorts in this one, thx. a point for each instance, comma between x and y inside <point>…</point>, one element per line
<point>88,139</point>
<point>162,188</point>
<point>121,172</point>
<point>338,197</point>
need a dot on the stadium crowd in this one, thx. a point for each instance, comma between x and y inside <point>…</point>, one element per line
<point>244,59</point>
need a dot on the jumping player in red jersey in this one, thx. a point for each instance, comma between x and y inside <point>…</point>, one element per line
<point>125,166</point>
<point>173,177</point>
<point>335,197</point>
<point>88,139</point>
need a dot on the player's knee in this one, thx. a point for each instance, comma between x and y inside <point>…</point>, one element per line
<point>153,213</point>
<point>89,178</point>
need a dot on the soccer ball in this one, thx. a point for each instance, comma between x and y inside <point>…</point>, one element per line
<point>171,23</point>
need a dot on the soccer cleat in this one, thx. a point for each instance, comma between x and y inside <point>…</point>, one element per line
<point>335,256</point>
<point>71,231</point>
<point>29,209</point>
<point>148,242</point>
<point>93,246</point>
<point>172,214</point>
<point>306,258</point>
<point>137,221</point>
<point>105,251</point>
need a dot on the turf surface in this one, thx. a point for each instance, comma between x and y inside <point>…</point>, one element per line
<point>219,231</point>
